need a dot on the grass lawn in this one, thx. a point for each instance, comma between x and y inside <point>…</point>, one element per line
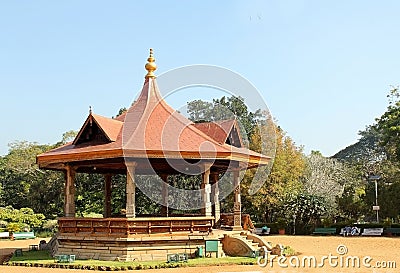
<point>43,259</point>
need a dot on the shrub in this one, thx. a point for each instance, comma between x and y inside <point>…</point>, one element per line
<point>289,251</point>
<point>15,227</point>
<point>3,224</point>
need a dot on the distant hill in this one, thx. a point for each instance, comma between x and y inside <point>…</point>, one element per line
<point>365,149</point>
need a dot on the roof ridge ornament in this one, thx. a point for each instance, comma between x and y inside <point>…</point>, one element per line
<point>150,66</point>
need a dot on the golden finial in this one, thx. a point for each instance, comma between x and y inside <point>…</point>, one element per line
<point>151,65</point>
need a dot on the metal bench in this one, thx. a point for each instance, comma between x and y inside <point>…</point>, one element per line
<point>23,235</point>
<point>18,252</point>
<point>391,231</point>
<point>4,235</point>
<point>64,258</point>
<point>259,231</point>
<point>372,232</point>
<point>342,232</point>
<point>325,231</point>
<point>178,257</point>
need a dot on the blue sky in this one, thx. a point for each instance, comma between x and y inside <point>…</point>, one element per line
<point>323,67</point>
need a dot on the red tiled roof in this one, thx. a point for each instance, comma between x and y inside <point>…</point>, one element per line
<point>151,124</point>
<point>121,117</point>
<point>110,127</point>
<point>151,128</point>
<point>218,130</point>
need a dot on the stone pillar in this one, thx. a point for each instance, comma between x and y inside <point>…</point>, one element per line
<point>164,195</point>
<point>107,195</point>
<point>130,189</point>
<point>216,209</point>
<point>206,191</point>
<point>69,204</point>
<point>237,205</point>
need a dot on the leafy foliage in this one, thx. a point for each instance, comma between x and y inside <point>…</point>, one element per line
<point>306,209</point>
<point>327,177</point>
<point>389,126</point>
<point>376,153</point>
<point>20,217</point>
<point>223,109</point>
<point>25,185</point>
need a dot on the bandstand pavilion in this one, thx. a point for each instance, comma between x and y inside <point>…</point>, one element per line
<point>150,138</point>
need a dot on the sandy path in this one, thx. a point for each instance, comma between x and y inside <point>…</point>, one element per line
<point>7,246</point>
<point>380,249</point>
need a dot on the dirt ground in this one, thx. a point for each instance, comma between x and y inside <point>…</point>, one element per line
<point>373,253</point>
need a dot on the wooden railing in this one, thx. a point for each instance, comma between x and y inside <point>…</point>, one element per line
<point>128,226</point>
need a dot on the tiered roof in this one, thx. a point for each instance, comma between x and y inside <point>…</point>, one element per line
<point>150,129</point>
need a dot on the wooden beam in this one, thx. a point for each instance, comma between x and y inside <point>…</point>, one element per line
<point>164,195</point>
<point>237,205</point>
<point>69,197</point>
<point>130,189</point>
<point>107,195</point>
<point>216,208</point>
<point>206,191</point>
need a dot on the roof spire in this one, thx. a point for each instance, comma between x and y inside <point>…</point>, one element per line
<point>150,66</point>
<point>90,110</point>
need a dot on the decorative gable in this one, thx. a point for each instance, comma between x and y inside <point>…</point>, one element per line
<point>98,130</point>
<point>225,131</point>
<point>234,138</point>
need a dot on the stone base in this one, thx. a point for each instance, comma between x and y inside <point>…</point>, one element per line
<point>139,248</point>
<point>237,228</point>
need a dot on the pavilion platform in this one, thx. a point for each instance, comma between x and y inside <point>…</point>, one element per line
<point>133,239</point>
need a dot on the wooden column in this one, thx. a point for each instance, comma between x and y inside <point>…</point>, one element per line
<point>69,204</point>
<point>237,205</point>
<point>164,195</point>
<point>206,191</point>
<point>107,195</point>
<point>216,209</point>
<point>130,189</point>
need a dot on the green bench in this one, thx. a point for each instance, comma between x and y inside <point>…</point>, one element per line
<point>64,258</point>
<point>23,235</point>
<point>391,231</point>
<point>325,231</point>
<point>18,252</point>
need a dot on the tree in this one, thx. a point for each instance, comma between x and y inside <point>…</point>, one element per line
<point>376,153</point>
<point>286,168</point>
<point>285,178</point>
<point>22,216</point>
<point>389,126</point>
<point>225,108</point>
<point>366,151</point>
<point>25,185</point>
<point>121,111</point>
<point>305,209</point>
<point>326,177</point>
<point>200,111</point>
<point>67,137</point>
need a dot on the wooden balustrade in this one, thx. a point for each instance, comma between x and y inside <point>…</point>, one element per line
<point>130,226</point>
